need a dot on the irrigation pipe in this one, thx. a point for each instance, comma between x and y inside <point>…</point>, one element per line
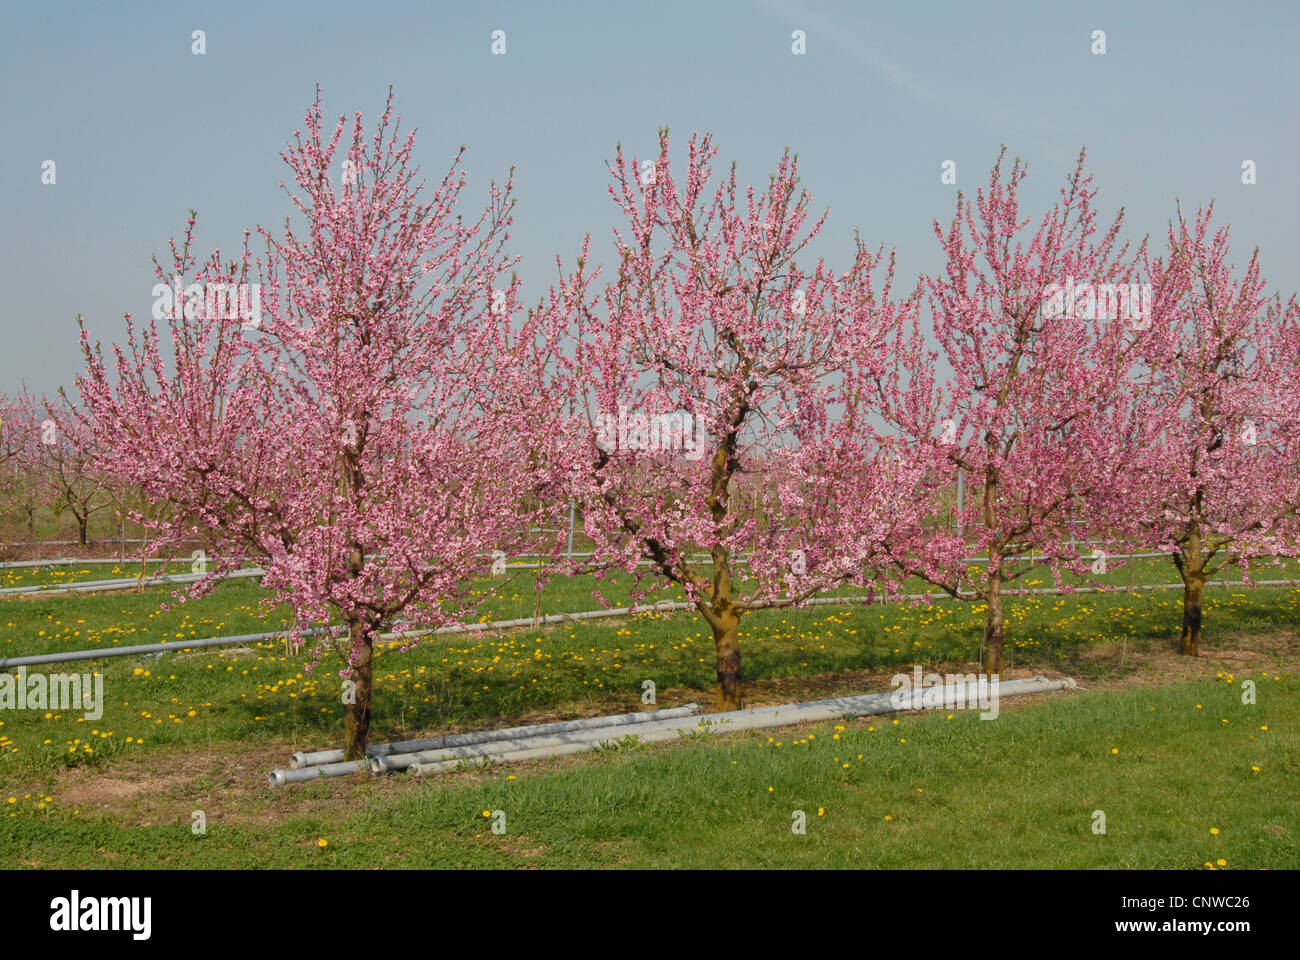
<point>498,741</point>
<point>122,583</point>
<point>279,778</point>
<point>744,561</point>
<point>301,759</point>
<point>665,731</point>
<point>108,541</point>
<point>76,561</point>
<point>663,606</point>
<point>657,730</point>
<point>142,649</point>
<point>382,751</point>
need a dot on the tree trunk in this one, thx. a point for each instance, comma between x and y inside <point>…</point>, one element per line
<point>356,722</point>
<point>726,641</point>
<point>994,622</point>
<point>1191,561</point>
<point>82,523</point>
<point>1193,588</point>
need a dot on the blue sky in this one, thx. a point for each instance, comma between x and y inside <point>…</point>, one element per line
<point>142,130</point>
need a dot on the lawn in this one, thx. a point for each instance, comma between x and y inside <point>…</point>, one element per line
<point>1185,774</point>
<point>198,731</point>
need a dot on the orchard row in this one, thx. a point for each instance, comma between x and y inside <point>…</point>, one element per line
<point>398,413</point>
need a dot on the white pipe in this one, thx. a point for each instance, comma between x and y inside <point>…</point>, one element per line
<point>494,749</point>
<point>316,758</point>
<point>122,583</point>
<point>279,778</point>
<point>152,648</point>
<point>742,560</point>
<point>663,606</point>
<point>144,649</point>
<point>75,561</point>
<point>64,543</point>
<point>736,720</point>
<point>660,730</point>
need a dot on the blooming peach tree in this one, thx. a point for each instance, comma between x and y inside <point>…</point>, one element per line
<point>70,473</point>
<point>26,434</point>
<point>364,424</point>
<point>1220,485</point>
<point>1038,332</point>
<point>720,441</point>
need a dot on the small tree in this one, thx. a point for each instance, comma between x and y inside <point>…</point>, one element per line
<point>73,479</point>
<point>720,399</point>
<point>368,439</point>
<point>1039,333</point>
<point>25,463</point>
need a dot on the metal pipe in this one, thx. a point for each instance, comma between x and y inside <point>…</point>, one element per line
<point>664,606</point>
<point>660,730</point>
<point>65,543</point>
<point>74,561</point>
<point>91,586</point>
<point>501,741</point>
<point>142,649</point>
<point>318,757</point>
<point>497,749</point>
<point>150,648</point>
<point>279,778</point>
<point>744,561</point>
<point>737,720</point>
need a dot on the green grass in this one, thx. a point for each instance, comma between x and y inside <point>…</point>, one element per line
<point>1020,791</point>
<point>583,668</point>
<point>1021,780</point>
